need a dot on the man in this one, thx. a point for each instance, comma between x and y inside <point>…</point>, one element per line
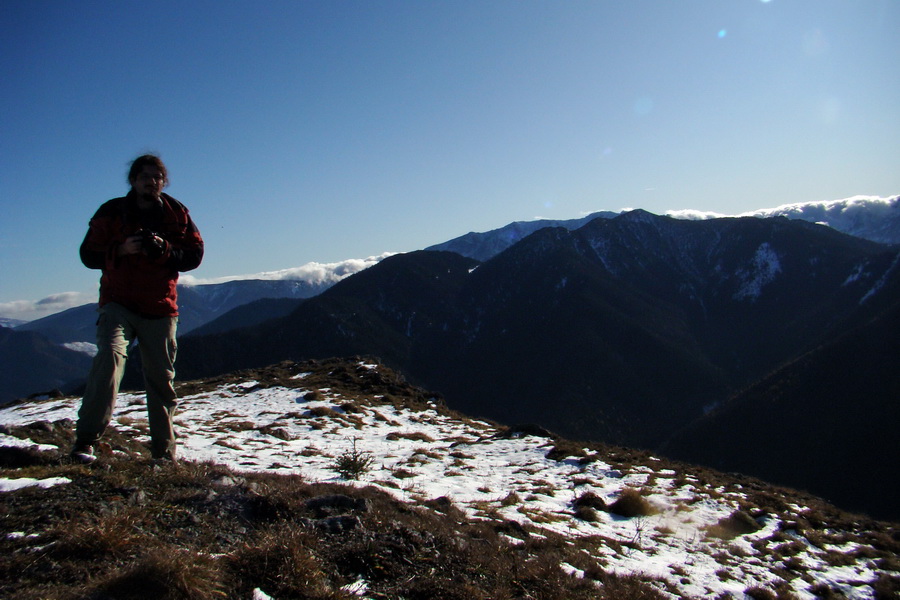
<point>140,242</point>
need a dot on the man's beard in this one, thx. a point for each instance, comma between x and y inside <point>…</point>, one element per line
<point>149,201</point>
<point>155,197</point>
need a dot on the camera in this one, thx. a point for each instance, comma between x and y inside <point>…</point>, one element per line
<point>152,243</point>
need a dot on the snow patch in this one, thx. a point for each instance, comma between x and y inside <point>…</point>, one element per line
<point>9,485</point>
<point>83,347</point>
<point>763,269</point>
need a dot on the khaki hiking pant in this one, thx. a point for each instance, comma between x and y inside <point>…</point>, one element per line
<point>117,328</point>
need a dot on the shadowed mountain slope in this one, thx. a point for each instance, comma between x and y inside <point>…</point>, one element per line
<point>826,422</point>
<point>624,330</point>
<point>21,350</point>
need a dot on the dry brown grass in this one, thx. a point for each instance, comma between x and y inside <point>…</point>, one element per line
<point>415,436</point>
<point>122,529</point>
<point>631,503</point>
<point>736,524</point>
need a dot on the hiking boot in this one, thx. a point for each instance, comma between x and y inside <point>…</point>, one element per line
<point>83,453</point>
<point>164,458</point>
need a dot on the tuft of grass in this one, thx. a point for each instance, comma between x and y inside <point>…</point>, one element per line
<point>631,503</point>
<point>165,575</point>
<point>736,524</point>
<point>415,436</point>
<point>323,411</point>
<point>566,449</point>
<point>586,506</point>
<point>276,432</point>
<point>402,473</point>
<point>587,514</point>
<point>759,593</point>
<point>590,500</point>
<point>281,561</point>
<point>510,499</point>
<point>118,534</point>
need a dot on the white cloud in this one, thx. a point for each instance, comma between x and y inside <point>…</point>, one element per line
<point>689,214</point>
<point>312,272</point>
<point>29,310</point>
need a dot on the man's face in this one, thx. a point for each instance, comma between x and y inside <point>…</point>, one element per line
<point>149,182</point>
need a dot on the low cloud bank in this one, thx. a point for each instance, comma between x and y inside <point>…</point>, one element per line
<point>831,212</point>
<point>689,214</point>
<point>29,310</point>
<point>312,272</point>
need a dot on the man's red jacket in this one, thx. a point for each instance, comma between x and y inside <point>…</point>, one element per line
<point>144,285</point>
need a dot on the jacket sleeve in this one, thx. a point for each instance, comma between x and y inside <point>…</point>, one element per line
<point>185,252</point>
<point>98,247</point>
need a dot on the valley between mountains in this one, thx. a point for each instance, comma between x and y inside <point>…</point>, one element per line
<point>441,506</point>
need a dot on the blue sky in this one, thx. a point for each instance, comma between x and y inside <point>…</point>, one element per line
<point>325,130</point>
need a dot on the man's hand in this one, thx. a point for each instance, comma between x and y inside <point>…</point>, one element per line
<point>153,246</point>
<point>131,245</point>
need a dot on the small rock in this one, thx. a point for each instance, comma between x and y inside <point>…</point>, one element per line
<point>337,503</point>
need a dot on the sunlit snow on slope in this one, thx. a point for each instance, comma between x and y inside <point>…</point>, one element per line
<point>425,455</point>
<point>763,269</point>
<point>83,347</point>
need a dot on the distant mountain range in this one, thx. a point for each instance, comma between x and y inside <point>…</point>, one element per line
<point>198,305</point>
<point>49,353</point>
<point>646,320</point>
<point>626,330</point>
<point>633,329</point>
<point>869,217</point>
<point>873,218</point>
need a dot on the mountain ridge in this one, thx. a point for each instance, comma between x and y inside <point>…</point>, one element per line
<point>874,218</point>
<point>409,322</point>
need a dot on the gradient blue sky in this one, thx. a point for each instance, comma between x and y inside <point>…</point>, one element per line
<point>324,130</point>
